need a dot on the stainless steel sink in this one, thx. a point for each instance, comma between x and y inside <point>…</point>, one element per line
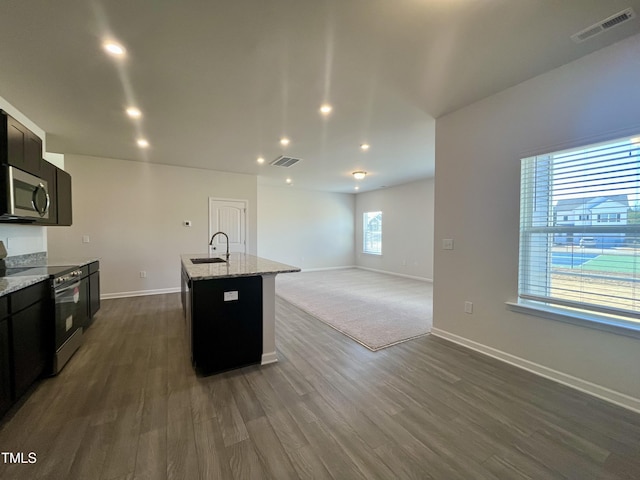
<point>208,260</point>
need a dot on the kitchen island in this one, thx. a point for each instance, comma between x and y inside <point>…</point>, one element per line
<point>229,309</point>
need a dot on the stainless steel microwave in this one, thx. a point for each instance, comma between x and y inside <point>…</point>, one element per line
<point>27,196</point>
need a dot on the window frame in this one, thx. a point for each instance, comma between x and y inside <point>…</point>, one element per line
<point>606,319</point>
<point>366,231</point>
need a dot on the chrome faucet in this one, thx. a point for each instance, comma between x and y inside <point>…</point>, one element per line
<point>225,236</point>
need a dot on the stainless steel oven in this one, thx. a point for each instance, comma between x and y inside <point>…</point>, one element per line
<point>27,196</point>
<point>71,295</point>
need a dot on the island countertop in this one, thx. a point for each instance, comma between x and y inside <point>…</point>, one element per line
<point>239,265</point>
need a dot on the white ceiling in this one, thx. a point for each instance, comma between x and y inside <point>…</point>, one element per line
<point>220,81</point>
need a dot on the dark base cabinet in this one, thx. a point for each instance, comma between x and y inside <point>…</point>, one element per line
<point>31,351</point>
<point>225,323</point>
<point>6,398</point>
<point>94,289</point>
<point>26,340</point>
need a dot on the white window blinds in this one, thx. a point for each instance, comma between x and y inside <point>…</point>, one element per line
<point>372,233</point>
<point>580,229</point>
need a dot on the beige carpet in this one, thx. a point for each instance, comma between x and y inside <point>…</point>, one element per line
<point>375,309</point>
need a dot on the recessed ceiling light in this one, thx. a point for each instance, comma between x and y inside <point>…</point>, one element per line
<point>260,160</point>
<point>288,180</point>
<point>284,141</point>
<point>134,112</point>
<point>356,187</point>
<point>326,109</point>
<point>359,175</point>
<point>142,143</point>
<point>364,146</point>
<point>114,49</point>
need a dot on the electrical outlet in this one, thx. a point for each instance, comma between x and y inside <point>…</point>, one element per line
<point>468,307</point>
<point>447,243</point>
<point>143,274</point>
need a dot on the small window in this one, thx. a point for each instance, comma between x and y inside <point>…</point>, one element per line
<point>372,233</point>
<point>593,265</point>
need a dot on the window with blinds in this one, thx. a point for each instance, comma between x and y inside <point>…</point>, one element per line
<point>372,233</point>
<point>580,229</point>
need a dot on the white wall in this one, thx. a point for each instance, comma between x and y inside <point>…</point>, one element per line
<point>305,228</point>
<point>478,149</point>
<point>407,229</point>
<point>23,239</point>
<point>133,213</point>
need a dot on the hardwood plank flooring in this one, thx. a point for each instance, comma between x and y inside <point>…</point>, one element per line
<point>129,406</point>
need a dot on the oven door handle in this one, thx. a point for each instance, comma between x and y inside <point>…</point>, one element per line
<point>59,291</point>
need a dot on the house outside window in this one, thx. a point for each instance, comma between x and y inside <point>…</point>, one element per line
<point>580,232</point>
<point>372,233</point>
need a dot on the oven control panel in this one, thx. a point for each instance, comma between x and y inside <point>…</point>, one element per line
<point>74,275</point>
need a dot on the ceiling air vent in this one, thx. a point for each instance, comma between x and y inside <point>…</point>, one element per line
<point>283,161</point>
<point>606,24</point>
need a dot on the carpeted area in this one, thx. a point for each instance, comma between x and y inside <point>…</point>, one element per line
<point>375,309</point>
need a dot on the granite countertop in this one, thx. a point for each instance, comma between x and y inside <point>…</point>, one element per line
<point>12,284</point>
<point>17,282</point>
<point>239,265</point>
<point>61,262</point>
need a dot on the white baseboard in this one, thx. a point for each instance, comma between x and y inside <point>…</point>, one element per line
<point>139,293</point>
<point>269,358</point>
<point>603,393</point>
<point>322,269</point>
<point>412,277</point>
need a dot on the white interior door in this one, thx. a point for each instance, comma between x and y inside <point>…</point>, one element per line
<point>228,216</point>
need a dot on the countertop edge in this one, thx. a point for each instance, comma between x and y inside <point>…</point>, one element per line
<point>18,282</point>
<point>13,284</point>
<point>245,265</point>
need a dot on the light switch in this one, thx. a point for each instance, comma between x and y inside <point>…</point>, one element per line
<point>447,243</point>
<point>468,307</point>
<point>85,238</point>
<point>231,296</point>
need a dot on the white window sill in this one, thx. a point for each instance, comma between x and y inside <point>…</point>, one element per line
<point>583,319</point>
<point>371,253</point>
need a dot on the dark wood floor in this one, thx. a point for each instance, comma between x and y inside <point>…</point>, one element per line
<point>129,406</point>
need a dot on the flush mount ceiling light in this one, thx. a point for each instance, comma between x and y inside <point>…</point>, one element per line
<point>326,109</point>
<point>364,147</point>
<point>134,112</point>
<point>142,143</point>
<point>284,141</point>
<point>359,175</point>
<point>260,160</point>
<point>289,181</point>
<point>113,48</point>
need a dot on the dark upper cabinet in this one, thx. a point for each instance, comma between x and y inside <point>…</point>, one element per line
<point>33,153</point>
<point>63,198</point>
<point>48,172</point>
<point>19,146</point>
